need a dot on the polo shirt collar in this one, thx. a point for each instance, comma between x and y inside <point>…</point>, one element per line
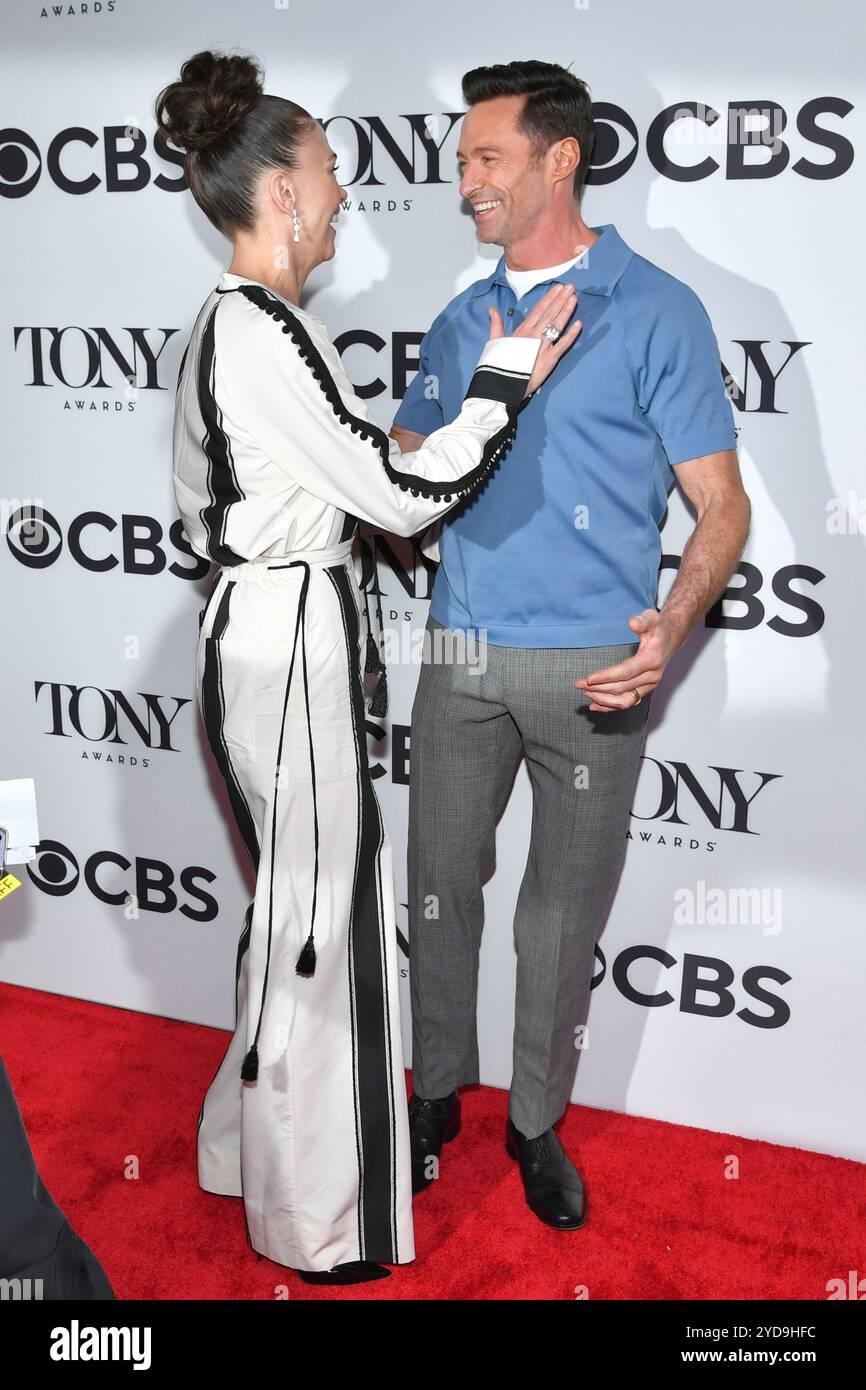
<point>596,272</point>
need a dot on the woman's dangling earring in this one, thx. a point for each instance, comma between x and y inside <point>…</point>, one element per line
<point>296,225</point>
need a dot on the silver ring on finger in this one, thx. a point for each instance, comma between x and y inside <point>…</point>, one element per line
<point>552,332</point>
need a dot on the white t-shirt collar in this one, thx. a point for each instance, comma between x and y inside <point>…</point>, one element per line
<point>523,280</point>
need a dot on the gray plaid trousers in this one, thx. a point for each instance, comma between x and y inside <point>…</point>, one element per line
<point>469,730</point>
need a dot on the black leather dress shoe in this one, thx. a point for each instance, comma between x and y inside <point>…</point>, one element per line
<point>553,1187</point>
<point>432,1123</point>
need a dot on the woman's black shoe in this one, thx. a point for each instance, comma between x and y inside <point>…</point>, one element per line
<point>355,1272</point>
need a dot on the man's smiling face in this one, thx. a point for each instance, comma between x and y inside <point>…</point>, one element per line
<point>501,173</point>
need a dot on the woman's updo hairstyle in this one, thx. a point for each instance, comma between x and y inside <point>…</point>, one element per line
<point>231,131</point>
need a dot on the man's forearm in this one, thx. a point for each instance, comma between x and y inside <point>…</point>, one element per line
<point>709,559</point>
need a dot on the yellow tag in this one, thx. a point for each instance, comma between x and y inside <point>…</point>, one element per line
<point>8,884</point>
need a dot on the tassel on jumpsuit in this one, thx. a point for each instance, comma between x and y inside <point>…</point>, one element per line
<point>275,461</point>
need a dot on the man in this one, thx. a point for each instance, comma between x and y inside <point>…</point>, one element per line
<point>554,564</point>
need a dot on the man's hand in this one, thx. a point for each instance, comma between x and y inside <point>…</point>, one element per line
<point>713,485</point>
<point>407,440</point>
<point>642,672</point>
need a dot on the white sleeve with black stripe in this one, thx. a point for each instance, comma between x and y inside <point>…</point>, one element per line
<point>285,384</point>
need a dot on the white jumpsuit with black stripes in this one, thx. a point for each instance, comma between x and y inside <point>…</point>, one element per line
<point>274,461</point>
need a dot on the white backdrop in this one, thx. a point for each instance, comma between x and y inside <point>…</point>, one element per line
<point>731,970</point>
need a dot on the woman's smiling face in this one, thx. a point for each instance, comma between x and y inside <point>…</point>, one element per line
<point>318,197</point>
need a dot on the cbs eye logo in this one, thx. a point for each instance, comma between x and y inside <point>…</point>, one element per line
<point>34,535</point>
<point>20,163</point>
<point>611,157</point>
<point>55,869</point>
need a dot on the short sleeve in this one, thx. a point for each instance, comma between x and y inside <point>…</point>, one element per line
<point>420,409</point>
<point>677,370</point>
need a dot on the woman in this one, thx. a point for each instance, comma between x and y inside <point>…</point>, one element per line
<point>274,462</point>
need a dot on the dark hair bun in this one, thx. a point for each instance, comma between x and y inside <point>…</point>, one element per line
<point>214,92</point>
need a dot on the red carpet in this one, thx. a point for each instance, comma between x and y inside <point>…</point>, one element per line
<point>97,1085</point>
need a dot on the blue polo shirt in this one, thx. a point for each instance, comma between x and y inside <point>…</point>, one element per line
<point>561,545</point>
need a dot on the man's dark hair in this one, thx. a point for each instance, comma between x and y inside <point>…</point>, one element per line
<point>557,104</point>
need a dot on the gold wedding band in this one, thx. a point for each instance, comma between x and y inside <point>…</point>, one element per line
<point>637,696</point>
